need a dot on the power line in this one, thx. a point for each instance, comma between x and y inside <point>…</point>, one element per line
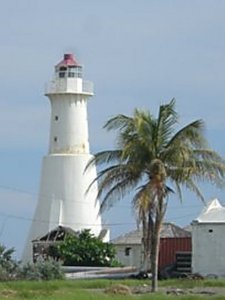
<point>11,216</point>
<point>14,189</point>
<point>77,201</point>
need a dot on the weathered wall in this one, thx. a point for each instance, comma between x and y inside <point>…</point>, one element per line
<point>167,256</point>
<point>170,246</point>
<point>208,248</point>
<point>134,258</point>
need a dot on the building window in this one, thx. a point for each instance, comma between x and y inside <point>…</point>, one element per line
<point>56,118</point>
<point>55,139</point>
<point>127,251</point>
<point>210,230</point>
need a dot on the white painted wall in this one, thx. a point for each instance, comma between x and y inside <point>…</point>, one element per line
<point>208,248</point>
<point>69,124</point>
<point>63,199</point>
<point>134,258</point>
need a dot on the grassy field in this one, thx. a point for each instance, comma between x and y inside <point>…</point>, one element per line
<point>95,290</point>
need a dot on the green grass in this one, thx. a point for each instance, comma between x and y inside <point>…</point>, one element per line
<point>89,290</point>
<point>189,283</point>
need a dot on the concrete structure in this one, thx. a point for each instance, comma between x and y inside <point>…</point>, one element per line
<point>63,199</point>
<point>208,240</point>
<point>129,250</point>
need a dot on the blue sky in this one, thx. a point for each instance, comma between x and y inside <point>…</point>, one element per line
<point>137,53</point>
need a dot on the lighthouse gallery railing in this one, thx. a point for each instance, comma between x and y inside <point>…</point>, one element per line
<point>69,86</point>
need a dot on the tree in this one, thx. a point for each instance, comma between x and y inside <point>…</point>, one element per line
<point>153,159</point>
<point>84,249</point>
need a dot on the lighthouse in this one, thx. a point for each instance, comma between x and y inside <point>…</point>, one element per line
<point>63,197</point>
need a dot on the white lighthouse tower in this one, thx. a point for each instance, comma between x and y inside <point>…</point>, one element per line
<point>63,199</point>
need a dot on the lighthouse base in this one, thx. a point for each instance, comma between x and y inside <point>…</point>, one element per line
<point>63,198</point>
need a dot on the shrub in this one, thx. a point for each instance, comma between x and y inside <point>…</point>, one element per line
<point>84,249</point>
<point>41,270</point>
<point>10,269</point>
<point>8,266</point>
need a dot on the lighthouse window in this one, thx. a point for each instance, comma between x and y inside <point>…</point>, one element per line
<point>62,74</point>
<point>79,72</point>
<point>75,71</point>
<point>71,74</point>
<point>56,118</point>
<point>55,139</point>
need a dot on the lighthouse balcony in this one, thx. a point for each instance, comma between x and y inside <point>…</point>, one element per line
<point>69,85</point>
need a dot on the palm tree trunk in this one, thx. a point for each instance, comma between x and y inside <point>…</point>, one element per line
<point>155,255</point>
<point>146,244</point>
<point>156,244</point>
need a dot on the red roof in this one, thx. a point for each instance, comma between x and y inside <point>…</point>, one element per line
<point>68,60</point>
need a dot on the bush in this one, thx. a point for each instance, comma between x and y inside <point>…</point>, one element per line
<point>10,269</point>
<point>84,249</point>
<point>8,266</point>
<point>41,270</point>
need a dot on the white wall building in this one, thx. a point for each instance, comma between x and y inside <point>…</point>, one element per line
<point>62,198</point>
<point>129,248</point>
<point>208,241</point>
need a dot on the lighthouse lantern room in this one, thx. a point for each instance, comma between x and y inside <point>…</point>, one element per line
<point>63,198</point>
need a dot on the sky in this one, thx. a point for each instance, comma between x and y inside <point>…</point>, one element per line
<point>138,54</point>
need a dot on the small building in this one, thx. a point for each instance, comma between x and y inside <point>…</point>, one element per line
<point>41,245</point>
<point>208,240</point>
<point>173,239</point>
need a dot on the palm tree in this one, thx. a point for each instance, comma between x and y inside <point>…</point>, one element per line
<point>153,159</point>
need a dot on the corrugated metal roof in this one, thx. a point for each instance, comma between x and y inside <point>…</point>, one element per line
<point>169,230</point>
<point>57,233</point>
<point>214,212</point>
